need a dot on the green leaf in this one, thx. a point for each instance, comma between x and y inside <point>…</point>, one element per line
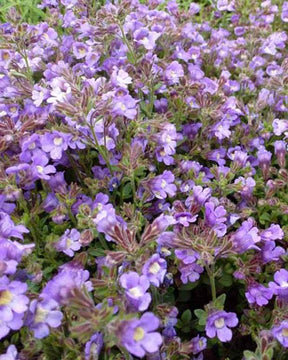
<point>220,301</point>
<point>249,355</point>
<point>186,316</point>
<point>201,315</point>
<point>226,280</point>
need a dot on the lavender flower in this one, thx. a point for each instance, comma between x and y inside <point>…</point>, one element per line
<point>13,304</point>
<point>280,284</point>
<point>43,315</point>
<point>94,346</point>
<point>258,294</point>
<point>11,353</point>
<point>162,185</point>
<point>69,242</point>
<point>136,287</point>
<point>219,324</point>
<point>280,332</point>
<point>155,269</point>
<point>139,336</point>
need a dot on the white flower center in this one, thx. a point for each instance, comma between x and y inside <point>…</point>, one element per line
<point>138,334</point>
<point>154,268</point>
<point>163,184</point>
<point>5,297</point>
<point>135,291</point>
<point>40,169</point>
<point>58,141</point>
<point>219,323</point>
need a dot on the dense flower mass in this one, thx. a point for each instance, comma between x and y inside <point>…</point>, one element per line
<point>144,180</point>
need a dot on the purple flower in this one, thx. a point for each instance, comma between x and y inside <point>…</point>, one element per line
<point>200,196</point>
<point>280,332</point>
<point>280,147</point>
<point>246,237</point>
<point>198,344</point>
<point>258,294</point>
<point>219,324</point>
<point>280,126</point>
<point>146,38</point>
<point>274,232</point>
<point>173,73</point>
<point>271,252</point>
<point>43,315</point>
<point>40,169</point>
<point>155,269</point>
<point>9,229</point>
<point>136,287</point>
<point>188,267</point>
<point>280,284</point>
<point>215,216</point>
<point>11,353</point>
<point>125,106</point>
<point>60,286</point>
<point>69,242</point>
<point>13,304</point>
<point>94,346</point>
<point>162,185</point>
<point>54,143</point>
<point>139,337</point>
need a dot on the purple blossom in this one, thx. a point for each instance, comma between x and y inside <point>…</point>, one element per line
<point>42,316</point>
<point>271,252</point>
<point>280,284</point>
<point>9,229</point>
<point>155,269</point>
<point>40,168</point>
<point>125,106</point>
<point>280,332</point>
<point>136,287</point>
<point>173,73</point>
<point>162,185</point>
<point>274,232</point>
<point>60,286</point>
<point>258,294</point>
<point>246,237</point>
<point>219,324</point>
<point>11,353</point>
<point>13,304</point>
<point>69,242</point>
<point>188,267</point>
<point>94,346</point>
<point>139,336</point>
<point>54,143</point>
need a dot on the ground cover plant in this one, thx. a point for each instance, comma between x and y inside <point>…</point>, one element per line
<point>143,180</point>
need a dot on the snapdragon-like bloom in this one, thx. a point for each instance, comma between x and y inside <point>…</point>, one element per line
<point>125,106</point>
<point>280,332</point>
<point>219,324</point>
<point>274,232</point>
<point>11,353</point>
<point>139,336</point>
<point>259,294</point>
<point>54,143</point>
<point>9,229</point>
<point>215,217</point>
<point>280,284</point>
<point>246,237</point>
<point>69,242</point>
<point>60,286</point>
<point>155,269</point>
<point>94,346</point>
<point>13,304</point>
<point>162,185</point>
<point>42,316</point>
<point>189,268</point>
<point>136,287</point>
<point>173,73</point>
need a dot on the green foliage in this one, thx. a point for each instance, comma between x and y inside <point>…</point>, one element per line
<point>27,10</point>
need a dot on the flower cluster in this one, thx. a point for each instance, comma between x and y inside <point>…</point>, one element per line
<point>143,180</point>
